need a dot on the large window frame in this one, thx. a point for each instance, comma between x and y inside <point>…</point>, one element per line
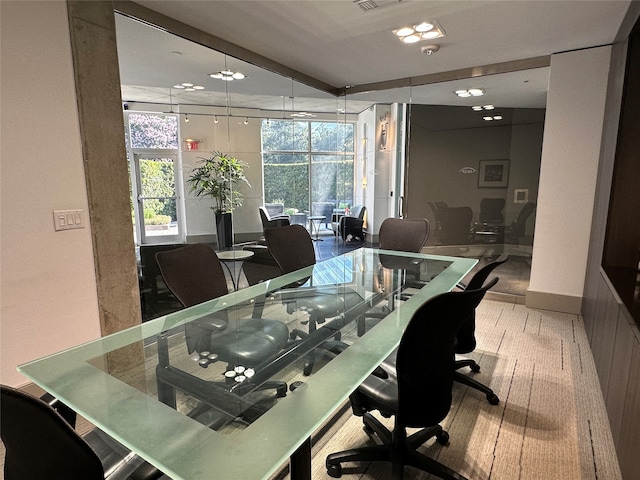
<point>305,149</point>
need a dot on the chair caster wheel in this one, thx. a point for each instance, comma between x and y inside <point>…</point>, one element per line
<point>334,471</point>
<point>306,371</point>
<point>281,391</point>
<point>493,398</point>
<point>443,437</point>
<point>475,368</point>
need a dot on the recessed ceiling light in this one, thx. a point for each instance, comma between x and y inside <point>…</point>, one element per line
<point>477,108</point>
<point>411,39</point>
<point>228,75</point>
<point>424,27</point>
<point>404,31</point>
<point>430,35</point>
<point>188,87</point>
<point>471,92</point>
<point>420,31</point>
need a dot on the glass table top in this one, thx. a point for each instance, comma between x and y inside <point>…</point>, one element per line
<point>169,390</point>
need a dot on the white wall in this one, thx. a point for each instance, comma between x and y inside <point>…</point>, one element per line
<point>47,289</point>
<point>570,155</point>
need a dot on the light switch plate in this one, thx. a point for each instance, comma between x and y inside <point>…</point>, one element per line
<point>68,219</point>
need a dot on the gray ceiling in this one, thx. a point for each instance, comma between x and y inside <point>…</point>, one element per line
<point>336,42</point>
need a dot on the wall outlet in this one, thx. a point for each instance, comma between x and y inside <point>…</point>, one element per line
<point>68,219</point>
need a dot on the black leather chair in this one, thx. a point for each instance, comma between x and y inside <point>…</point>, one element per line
<point>350,227</point>
<point>455,225</point>
<point>515,231</point>
<point>435,209</point>
<point>491,211</point>
<point>271,221</point>
<point>194,274</point>
<point>466,340</point>
<point>292,249</point>
<point>414,385</point>
<point>40,444</point>
<point>155,298</point>
<point>404,235</point>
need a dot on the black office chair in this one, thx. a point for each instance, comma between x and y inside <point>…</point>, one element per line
<point>194,274</point>
<point>514,232</point>
<point>403,235</point>
<point>455,225</point>
<point>272,221</point>
<point>491,211</point>
<point>40,444</point>
<point>292,249</point>
<point>466,339</point>
<point>414,384</point>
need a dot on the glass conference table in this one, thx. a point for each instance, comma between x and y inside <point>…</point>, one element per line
<point>197,418</point>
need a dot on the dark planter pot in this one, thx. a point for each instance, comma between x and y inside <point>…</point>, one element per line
<point>224,230</point>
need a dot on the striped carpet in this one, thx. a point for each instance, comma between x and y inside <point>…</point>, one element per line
<point>550,424</point>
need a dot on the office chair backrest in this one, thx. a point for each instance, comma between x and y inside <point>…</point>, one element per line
<point>491,210</point>
<point>425,359</point>
<point>291,247</point>
<point>403,234</point>
<point>521,221</point>
<point>466,338</point>
<point>193,273</point>
<point>455,225</point>
<point>40,444</point>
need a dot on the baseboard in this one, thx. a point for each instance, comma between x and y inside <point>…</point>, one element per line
<point>554,302</point>
<point>505,297</point>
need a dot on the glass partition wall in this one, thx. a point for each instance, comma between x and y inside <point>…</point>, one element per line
<point>412,151</point>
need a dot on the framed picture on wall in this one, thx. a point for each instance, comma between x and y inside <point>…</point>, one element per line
<point>493,174</point>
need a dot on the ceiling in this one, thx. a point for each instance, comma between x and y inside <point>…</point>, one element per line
<point>338,43</point>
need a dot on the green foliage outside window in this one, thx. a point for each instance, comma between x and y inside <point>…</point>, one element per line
<point>296,151</point>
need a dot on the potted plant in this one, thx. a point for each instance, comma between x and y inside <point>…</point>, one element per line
<point>217,177</point>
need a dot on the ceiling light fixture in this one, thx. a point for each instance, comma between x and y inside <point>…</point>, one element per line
<point>215,119</point>
<point>471,92</point>
<point>188,87</point>
<point>228,75</point>
<point>495,117</point>
<point>418,32</point>
<point>479,108</point>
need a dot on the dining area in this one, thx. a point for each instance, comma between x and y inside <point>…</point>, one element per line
<point>249,376</point>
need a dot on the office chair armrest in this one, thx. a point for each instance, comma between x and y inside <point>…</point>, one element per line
<point>212,322</point>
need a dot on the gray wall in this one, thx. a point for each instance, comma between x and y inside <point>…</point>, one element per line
<point>436,157</point>
<point>612,333</point>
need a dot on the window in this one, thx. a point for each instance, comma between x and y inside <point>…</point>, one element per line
<point>153,146</point>
<point>307,162</point>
